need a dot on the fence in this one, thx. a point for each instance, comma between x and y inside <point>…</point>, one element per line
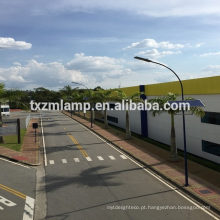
<point>27,120</point>
<point>10,130</point>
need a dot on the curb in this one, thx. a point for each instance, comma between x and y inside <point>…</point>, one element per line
<point>203,202</point>
<point>19,161</point>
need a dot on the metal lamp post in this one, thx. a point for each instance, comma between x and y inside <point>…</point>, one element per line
<point>184,127</point>
<point>91,106</point>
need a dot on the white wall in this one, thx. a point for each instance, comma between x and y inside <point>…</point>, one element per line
<point>196,131</point>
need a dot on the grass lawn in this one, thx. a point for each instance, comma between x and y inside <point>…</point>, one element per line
<point>11,141</point>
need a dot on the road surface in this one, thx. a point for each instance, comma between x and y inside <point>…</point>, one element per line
<point>87,178</point>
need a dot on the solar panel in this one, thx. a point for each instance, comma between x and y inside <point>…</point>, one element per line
<point>192,103</point>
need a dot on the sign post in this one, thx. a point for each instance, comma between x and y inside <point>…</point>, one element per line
<point>19,130</point>
<point>35,126</point>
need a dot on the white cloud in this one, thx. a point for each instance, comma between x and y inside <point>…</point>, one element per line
<point>10,43</point>
<point>99,68</point>
<point>212,69</point>
<point>210,54</point>
<point>84,69</point>
<point>35,74</point>
<point>154,44</point>
<point>155,54</point>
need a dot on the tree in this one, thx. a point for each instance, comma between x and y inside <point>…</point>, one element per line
<point>134,98</point>
<point>161,101</point>
<point>104,96</point>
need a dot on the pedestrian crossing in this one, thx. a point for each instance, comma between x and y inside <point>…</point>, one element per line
<point>77,160</point>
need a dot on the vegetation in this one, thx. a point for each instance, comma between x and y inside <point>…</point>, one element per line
<point>11,141</point>
<point>161,101</point>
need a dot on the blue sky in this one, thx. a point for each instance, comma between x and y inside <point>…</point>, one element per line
<point>52,43</point>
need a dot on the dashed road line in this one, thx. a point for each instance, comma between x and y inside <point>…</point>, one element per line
<point>76,160</point>
<point>123,157</point>
<point>100,158</point>
<point>51,162</point>
<point>64,161</point>
<point>88,159</point>
<point>111,157</point>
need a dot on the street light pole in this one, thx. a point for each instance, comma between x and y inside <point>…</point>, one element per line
<point>184,126</point>
<point>90,106</point>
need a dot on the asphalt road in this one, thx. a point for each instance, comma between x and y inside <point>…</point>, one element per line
<point>17,191</point>
<point>88,179</point>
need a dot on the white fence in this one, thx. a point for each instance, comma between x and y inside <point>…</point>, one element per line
<point>27,120</point>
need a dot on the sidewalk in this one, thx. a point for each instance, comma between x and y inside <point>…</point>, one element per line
<point>204,183</point>
<point>29,153</point>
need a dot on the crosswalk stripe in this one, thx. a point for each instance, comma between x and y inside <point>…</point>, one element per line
<point>64,161</point>
<point>88,158</point>
<point>100,158</point>
<point>76,159</point>
<point>51,161</point>
<point>123,156</point>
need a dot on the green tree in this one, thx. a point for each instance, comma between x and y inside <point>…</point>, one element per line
<point>198,111</point>
<point>134,98</point>
<point>104,96</point>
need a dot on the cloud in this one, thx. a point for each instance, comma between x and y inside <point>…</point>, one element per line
<point>212,69</point>
<point>10,43</point>
<point>210,54</point>
<point>99,68</point>
<point>154,44</point>
<point>84,69</point>
<point>35,74</point>
<point>155,54</point>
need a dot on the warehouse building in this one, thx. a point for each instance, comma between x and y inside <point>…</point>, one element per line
<point>202,134</point>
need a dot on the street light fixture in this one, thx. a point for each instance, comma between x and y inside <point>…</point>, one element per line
<point>90,106</point>
<point>80,84</point>
<point>184,127</point>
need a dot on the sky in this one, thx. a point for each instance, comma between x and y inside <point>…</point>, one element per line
<point>51,43</point>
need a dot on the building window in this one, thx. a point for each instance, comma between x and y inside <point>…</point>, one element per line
<point>113,119</point>
<point>211,118</point>
<point>211,148</point>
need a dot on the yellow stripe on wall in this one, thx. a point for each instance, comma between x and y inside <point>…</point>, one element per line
<point>130,90</point>
<point>209,85</point>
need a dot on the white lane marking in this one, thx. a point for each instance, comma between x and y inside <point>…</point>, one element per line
<point>44,148</point>
<point>6,202</point>
<point>151,173</point>
<point>29,209</point>
<point>64,161</point>
<point>112,158</point>
<point>51,161</point>
<point>76,159</point>
<point>123,157</point>
<point>88,158</point>
<point>14,163</point>
<point>100,158</point>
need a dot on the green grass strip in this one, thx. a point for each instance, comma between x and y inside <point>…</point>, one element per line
<point>11,141</point>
